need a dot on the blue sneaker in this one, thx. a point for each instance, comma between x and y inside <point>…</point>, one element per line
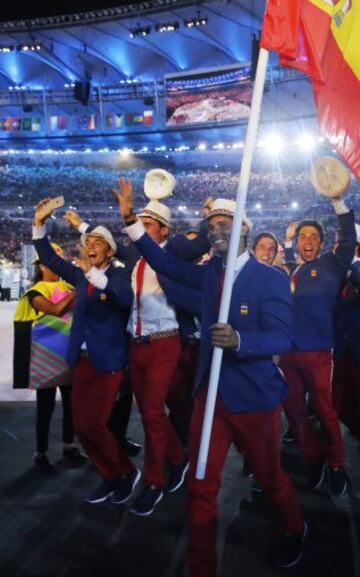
<point>146,502</point>
<point>125,487</point>
<point>103,492</point>
<point>290,549</point>
<point>177,476</point>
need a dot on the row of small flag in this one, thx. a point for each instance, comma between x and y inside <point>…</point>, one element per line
<point>84,122</point>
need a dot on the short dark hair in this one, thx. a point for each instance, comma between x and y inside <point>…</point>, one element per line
<point>314,223</point>
<point>265,234</point>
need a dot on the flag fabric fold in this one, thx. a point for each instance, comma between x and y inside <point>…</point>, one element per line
<point>321,39</point>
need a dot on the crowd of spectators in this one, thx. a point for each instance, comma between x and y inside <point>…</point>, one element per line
<point>274,197</point>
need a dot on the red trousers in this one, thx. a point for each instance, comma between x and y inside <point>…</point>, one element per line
<point>312,371</point>
<point>346,393</point>
<point>179,399</point>
<point>258,435</point>
<point>93,397</point>
<point>152,367</point>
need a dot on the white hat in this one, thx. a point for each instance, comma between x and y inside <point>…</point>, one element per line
<point>329,176</point>
<point>226,207</point>
<point>158,184</point>
<point>102,232</point>
<point>357,228</point>
<point>157,211</point>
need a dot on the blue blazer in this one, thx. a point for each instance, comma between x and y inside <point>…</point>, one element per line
<point>347,317</point>
<point>185,249</point>
<point>317,289</point>
<point>260,310</point>
<point>99,320</point>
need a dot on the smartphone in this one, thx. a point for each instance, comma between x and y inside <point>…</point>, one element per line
<point>56,202</point>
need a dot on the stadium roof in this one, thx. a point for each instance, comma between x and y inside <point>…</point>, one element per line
<point>86,41</point>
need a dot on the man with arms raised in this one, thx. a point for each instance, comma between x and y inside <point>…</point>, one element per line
<point>97,348</point>
<point>251,388</point>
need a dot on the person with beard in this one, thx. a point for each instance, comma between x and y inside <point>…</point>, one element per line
<point>251,388</point>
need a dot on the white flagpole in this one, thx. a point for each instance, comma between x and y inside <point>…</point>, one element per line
<point>232,256</point>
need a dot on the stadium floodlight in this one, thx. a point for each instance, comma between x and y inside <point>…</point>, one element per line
<point>306,141</point>
<point>140,31</point>
<point>258,206</point>
<point>167,27</point>
<point>202,146</point>
<point>294,204</point>
<point>195,22</point>
<point>273,144</point>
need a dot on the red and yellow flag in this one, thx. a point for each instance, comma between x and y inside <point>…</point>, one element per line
<point>322,39</point>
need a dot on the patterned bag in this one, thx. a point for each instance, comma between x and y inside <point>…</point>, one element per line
<point>49,342</point>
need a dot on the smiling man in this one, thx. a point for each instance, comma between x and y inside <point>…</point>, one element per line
<point>315,285</point>
<point>251,388</point>
<point>97,349</point>
<point>265,247</point>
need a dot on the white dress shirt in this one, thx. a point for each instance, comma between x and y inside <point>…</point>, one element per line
<point>156,314</point>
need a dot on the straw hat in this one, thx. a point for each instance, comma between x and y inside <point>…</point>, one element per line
<point>158,184</point>
<point>157,211</point>
<point>103,233</point>
<point>329,176</point>
<point>226,207</point>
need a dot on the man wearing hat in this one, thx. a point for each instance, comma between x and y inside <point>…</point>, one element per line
<point>97,348</point>
<point>315,286</point>
<point>154,356</point>
<point>251,388</point>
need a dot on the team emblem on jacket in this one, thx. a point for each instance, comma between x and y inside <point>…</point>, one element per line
<point>244,309</point>
<point>103,297</point>
<point>313,273</point>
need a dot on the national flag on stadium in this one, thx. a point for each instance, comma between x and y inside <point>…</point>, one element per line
<point>11,124</point>
<point>321,38</point>
<point>109,120</point>
<point>87,122</point>
<point>36,124</point>
<point>58,122</point>
<point>113,120</point>
<point>129,119</point>
<point>148,117</point>
<point>30,123</point>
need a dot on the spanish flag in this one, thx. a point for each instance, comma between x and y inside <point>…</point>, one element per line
<point>322,39</point>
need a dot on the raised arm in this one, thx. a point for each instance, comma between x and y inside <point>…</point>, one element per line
<point>46,253</point>
<point>346,247</point>
<point>161,261</point>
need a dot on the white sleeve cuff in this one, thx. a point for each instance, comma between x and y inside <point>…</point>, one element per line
<point>38,232</point>
<point>97,278</point>
<point>340,206</point>
<point>239,342</point>
<point>288,244</point>
<point>83,227</point>
<point>135,231</point>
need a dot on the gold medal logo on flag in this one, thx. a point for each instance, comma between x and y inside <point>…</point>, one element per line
<point>103,297</point>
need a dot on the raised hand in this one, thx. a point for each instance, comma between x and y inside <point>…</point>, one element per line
<point>290,231</point>
<point>42,211</point>
<point>124,196</point>
<point>207,206</point>
<point>73,218</point>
